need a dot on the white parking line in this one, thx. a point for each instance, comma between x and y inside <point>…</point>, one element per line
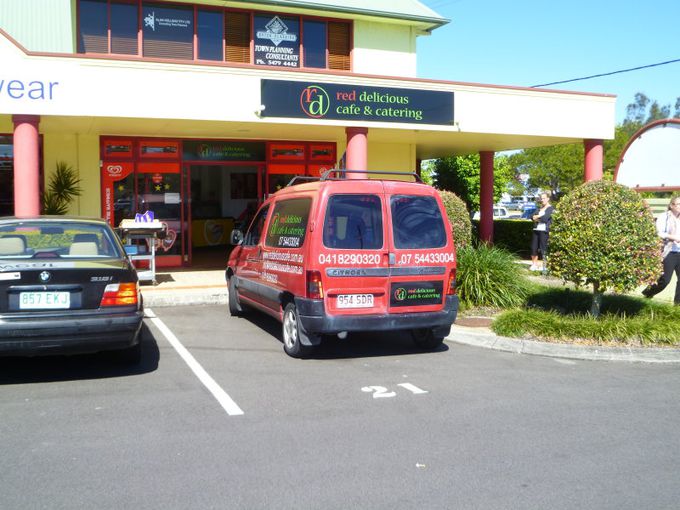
<point>225,400</point>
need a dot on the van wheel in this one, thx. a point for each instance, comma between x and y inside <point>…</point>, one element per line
<point>426,339</point>
<point>293,333</point>
<point>235,308</point>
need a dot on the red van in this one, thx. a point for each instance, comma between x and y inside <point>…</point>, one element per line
<point>339,255</point>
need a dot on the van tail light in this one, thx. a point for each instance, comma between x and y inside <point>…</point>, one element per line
<point>314,285</point>
<point>451,286</point>
<point>120,294</point>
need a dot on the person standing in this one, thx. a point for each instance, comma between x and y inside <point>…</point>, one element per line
<point>668,228</point>
<point>539,237</point>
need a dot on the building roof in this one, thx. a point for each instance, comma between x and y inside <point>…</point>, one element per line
<point>408,10</point>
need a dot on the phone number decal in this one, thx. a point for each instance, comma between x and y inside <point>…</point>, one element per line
<point>349,258</point>
<point>425,258</point>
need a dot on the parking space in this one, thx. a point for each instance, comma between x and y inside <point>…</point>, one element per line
<point>369,422</point>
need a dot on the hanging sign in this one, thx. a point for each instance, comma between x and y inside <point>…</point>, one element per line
<point>277,41</point>
<point>334,101</point>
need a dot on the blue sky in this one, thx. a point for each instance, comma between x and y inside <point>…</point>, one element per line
<point>531,42</point>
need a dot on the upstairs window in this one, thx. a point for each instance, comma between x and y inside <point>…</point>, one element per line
<point>157,29</point>
<point>168,31</point>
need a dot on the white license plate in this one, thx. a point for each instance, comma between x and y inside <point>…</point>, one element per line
<point>355,300</point>
<point>44,300</point>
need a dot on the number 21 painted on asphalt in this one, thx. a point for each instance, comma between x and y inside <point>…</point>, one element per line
<point>381,391</point>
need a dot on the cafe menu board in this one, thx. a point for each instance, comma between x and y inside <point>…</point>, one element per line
<point>277,41</point>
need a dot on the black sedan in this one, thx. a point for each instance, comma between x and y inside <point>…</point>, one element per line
<point>67,287</point>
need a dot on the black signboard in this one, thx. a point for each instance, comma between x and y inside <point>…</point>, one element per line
<point>416,293</point>
<point>355,102</point>
<point>277,41</point>
<point>211,150</point>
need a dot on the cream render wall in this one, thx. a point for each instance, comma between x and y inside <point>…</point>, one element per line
<point>391,157</point>
<point>384,49</point>
<point>81,152</point>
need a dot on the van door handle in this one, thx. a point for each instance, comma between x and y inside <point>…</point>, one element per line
<point>392,259</point>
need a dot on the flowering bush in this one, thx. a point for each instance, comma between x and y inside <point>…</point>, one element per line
<point>604,235</point>
<point>459,217</point>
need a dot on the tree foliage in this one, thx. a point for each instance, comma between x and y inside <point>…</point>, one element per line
<point>604,235</point>
<point>459,217</point>
<point>461,175</point>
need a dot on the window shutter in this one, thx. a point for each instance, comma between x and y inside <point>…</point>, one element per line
<point>93,43</point>
<point>124,45</point>
<point>338,46</point>
<point>237,37</point>
<point>168,49</point>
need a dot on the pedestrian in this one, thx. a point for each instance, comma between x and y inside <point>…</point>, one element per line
<point>668,228</point>
<point>539,237</point>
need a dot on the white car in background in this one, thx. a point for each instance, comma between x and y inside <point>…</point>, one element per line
<point>499,213</point>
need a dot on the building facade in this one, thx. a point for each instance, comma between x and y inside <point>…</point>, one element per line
<point>198,109</point>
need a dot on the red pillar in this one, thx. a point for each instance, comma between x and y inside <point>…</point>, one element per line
<point>594,154</point>
<point>26,165</point>
<point>357,151</point>
<point>486,196</point>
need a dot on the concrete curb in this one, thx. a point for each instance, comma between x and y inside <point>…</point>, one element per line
<point>478,337</point>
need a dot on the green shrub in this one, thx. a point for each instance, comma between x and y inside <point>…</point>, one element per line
<point>459,217</point>
<point>562,315</point>
<point>489,276</point>
<point>511,235</point>
<point>603,235</point>
<point>62,188</point>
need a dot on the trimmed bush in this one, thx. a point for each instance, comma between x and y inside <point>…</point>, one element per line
<point>603,235</point>
<point>511,235</point>
<point>489,276</point>
<point>459,217</point>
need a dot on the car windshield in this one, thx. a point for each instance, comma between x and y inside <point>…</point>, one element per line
<point>56,239</point>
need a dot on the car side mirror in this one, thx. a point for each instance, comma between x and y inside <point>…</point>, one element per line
<point>236,237</point>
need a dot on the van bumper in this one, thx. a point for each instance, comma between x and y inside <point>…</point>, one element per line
<point>315,320</point>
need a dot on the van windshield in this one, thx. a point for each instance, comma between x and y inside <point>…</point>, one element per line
<point>353,222</point>
<point>417,222</point>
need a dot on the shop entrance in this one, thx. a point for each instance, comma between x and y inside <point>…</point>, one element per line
<point>222,197</point>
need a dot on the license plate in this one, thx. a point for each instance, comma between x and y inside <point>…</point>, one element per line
<point>355,300</point>
<point>44,300</point>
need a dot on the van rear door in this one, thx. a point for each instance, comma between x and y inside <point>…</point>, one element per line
<point>354,258</point>
<point>421,253</point>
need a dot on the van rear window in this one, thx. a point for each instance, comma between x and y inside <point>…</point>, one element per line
<point>417,222</point>
<point>353,222</point>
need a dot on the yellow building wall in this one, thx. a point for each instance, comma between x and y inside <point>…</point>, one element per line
<point>81,152</point>
<point>391,157</point>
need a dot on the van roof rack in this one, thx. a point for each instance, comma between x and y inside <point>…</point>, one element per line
<point>304,178</point>
<point>342,174</point>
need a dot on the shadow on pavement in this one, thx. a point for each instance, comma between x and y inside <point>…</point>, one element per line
<point>39,369</point>
<point>356,345</point>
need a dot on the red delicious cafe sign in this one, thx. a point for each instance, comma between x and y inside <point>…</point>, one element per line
<point>355,102</point>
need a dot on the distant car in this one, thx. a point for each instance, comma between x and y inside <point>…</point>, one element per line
<point>67,287</point>
<point>499,213</point>
<point>528,210</point>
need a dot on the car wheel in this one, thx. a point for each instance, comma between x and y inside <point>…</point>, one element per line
<point>235,308</point>
<point>293,333</point>
<point>426,339</point>
<point>130,355</point>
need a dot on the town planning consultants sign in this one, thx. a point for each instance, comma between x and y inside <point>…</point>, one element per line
<point>331,101</point>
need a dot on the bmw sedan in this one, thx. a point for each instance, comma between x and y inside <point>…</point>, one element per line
<point>67,287</point>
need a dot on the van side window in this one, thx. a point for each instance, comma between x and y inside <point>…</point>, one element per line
<point>256,228</point>
<point>417,222</point>
<point>353,222</point>
<point>288,225</point>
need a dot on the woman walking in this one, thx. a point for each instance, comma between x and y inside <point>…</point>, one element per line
<point>668,228</point>
<point>539,237</point>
